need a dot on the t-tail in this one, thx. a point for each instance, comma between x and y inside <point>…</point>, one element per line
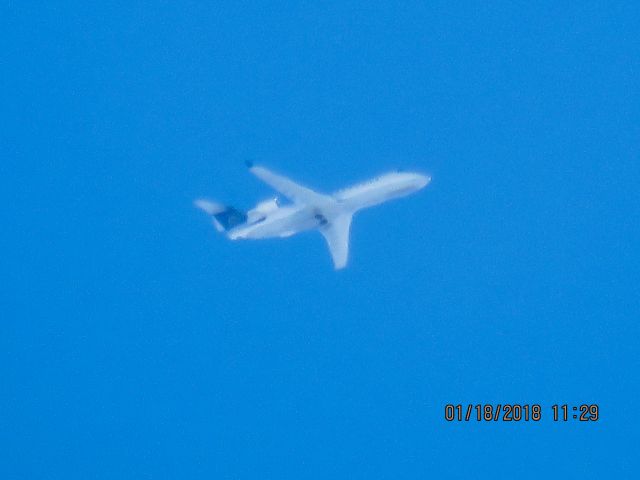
<point>224,218</point>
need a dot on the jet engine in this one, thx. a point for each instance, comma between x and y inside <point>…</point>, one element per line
<point>263,209</point>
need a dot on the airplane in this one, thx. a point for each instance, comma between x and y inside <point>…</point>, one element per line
<point>306,210</point>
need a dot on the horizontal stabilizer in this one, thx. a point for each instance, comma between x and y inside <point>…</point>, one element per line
<point>208,206</point>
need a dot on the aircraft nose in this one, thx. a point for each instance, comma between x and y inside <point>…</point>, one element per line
<point>422,180</point>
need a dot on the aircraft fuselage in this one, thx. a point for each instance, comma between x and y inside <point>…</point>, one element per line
<point>290,219</point>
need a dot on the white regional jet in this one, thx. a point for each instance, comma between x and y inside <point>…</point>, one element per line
<point>309,210</point>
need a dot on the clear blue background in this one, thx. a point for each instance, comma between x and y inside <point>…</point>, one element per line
<point>138,343</point>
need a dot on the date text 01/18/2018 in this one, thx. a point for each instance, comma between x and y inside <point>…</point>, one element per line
<point>520,412</point>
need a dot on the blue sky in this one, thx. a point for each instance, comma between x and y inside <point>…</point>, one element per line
<point>137,343</point>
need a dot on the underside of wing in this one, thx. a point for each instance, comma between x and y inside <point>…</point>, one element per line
<point>293,191</point>
<point>336,233</point>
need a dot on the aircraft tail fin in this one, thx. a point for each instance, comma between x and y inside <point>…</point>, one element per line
<point>224,217</point>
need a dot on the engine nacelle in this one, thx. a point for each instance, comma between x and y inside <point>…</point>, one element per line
<point>263,209</point>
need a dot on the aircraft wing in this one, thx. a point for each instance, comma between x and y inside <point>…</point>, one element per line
<point>291,190</point>
<point>336,233</point>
